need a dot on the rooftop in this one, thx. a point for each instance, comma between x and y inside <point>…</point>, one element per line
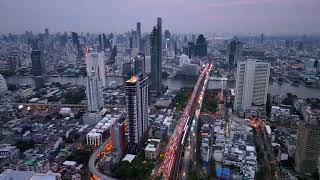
<point>133,79</point>
<point>129,157</point>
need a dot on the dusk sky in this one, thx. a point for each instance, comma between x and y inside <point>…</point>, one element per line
<point>260,16</point>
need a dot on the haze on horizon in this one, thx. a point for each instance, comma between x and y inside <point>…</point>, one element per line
<point>258,16</point>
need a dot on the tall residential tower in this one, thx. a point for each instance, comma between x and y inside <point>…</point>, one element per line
<point>137,109</point>
<point>95,62</point>
<point>308,147</point>
<point>94,93</point>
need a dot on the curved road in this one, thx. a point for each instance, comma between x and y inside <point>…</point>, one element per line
<point>92,166</point>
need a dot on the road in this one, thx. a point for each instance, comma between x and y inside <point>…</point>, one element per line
<point>92,166</point>
<point>190,154</point>
<point>169,164</point>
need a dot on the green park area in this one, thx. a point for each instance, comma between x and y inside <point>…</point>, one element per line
<point>209,104</point>
<point>181,99</point>
<point>139,168</point>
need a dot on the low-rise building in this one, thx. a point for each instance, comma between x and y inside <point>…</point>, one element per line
<point>152,149</point>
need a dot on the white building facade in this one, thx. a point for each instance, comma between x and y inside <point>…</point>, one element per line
<point>251,84</point>
<point>95,62</point>
<point>94,93</point>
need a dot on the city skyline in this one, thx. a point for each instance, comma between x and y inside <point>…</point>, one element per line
<point>235,16</point>
<point>167,89</point>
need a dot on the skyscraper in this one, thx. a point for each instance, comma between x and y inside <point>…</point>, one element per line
<point>46,32</point>
<point>262,38</point>
<point>75,39</point>
<point>156,57</point>
<point>137,109</point>
<point>113,55</point>
<point>94,92</point>
<point>127,70</point>
<point>167,39</point>
<point>251,84</point>
<point>101,43</point>
<point>190,49</point>
<point>95,62</point>
<point>139,64</point>
<point>134,36</point>
<point>308,147</point>
<point>234,52</point>
<point>167,34</point>
<point>201,46</point>
<point>37,68</point>
<point>135,39</point>
<point>118,137</point>
<point>139,35</point>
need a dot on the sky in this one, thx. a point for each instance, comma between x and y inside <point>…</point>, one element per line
<point>199,16</point>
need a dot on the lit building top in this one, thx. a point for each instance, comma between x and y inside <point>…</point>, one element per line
<point>133,79</point>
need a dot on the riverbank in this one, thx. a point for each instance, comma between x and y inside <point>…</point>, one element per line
<point>175,84</point>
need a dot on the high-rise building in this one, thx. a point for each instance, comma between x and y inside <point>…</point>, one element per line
<point>46,31</point>
<point>127,70</point>
<point>308,148</point>
<point>37,68</point>
<point>112,58</point>
<point>156,57</point>
<point>201,46</point>
<point>135,39</point>
<point>14,61</point>
<point>190,49</point>
<point>234,52</point>
<point>193,38</point>
<point>139,36</point>
<point>167,34</point>
<point>94,92</point>
<point>139,64</point>
<point>251,84</point>
<point>95,62</point>
<point>167,39</point>
<point>137,109</point>
<point>118,137</point>
<point>101,43</point>
<point>75,39</point>
<point>104,43</point>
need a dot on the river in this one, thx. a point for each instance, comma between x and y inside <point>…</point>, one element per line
<point>175,84</point>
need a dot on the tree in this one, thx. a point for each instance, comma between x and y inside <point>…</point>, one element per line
<point>289,100</point>
<point>74,97</point>
<point>209,103</point>
<point>259,175</point>
<point>24,145</point>
<point>81,156</point>
<point>126,171</point>
<point>180,100</point>
<point>212,168</point>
